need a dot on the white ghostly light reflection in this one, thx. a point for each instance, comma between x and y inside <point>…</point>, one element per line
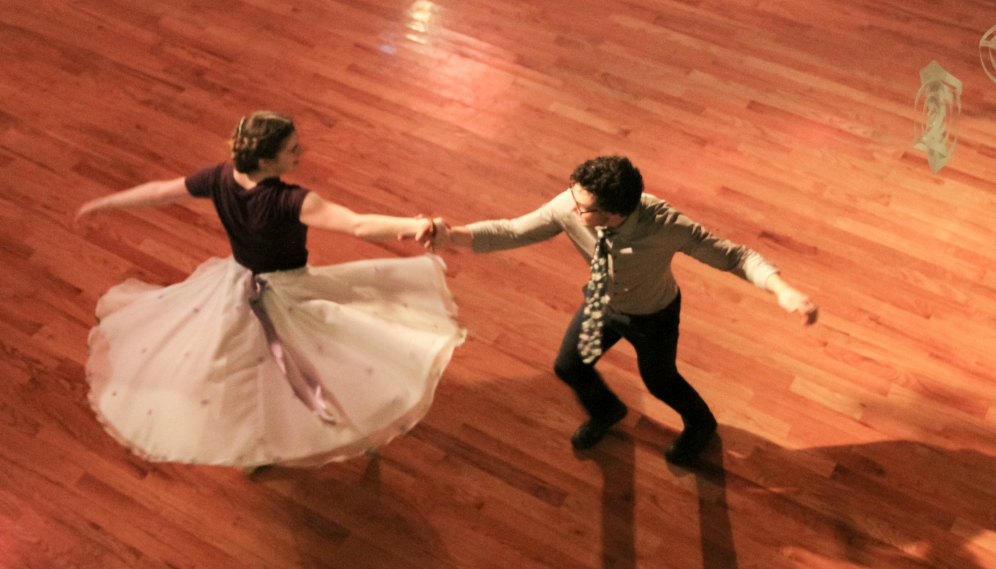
<point>424,18</point>
<point>939,101</point>
<point>987,47</point>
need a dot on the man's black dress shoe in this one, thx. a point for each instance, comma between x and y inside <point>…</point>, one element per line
<point>592,430</point>
<point>690,442</point>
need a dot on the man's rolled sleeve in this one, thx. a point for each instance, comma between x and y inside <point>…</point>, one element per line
<point>725,255</point>
<point>756,269</point>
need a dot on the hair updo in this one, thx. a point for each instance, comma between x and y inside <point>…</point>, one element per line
<point>259,135</point>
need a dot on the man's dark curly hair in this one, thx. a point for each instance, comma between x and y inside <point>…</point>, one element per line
<point>613,180</point>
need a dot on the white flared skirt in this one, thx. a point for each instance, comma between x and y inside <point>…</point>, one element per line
<point>297,367</point>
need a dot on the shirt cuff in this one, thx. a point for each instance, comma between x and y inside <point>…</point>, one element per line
<point>757,271</point>
<point>480,233</point>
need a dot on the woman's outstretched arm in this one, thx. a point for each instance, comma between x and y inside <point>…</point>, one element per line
<point>317,212</point>
<point>150,194</point>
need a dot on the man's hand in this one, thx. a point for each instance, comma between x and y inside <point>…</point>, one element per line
<point>792,300</point>
<point>444,236</point>
<point>440,237</point>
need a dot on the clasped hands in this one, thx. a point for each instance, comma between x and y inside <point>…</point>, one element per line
<point>433,234</point>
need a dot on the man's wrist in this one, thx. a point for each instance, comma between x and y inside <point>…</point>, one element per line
<point>774,283</point>
<point>462,237</point>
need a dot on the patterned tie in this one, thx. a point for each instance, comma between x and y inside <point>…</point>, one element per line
<point>590,339</point>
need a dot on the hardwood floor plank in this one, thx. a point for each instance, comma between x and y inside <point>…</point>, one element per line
<point>868,440</point>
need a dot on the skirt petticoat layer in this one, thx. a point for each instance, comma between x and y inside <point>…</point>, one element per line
<point>298,367</point>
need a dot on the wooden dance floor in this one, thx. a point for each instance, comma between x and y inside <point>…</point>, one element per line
<point>867,440</point>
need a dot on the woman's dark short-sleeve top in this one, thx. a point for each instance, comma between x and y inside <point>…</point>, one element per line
<point>263,224</point>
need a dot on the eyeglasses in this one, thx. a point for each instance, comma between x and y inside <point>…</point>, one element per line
<point>578,206</point>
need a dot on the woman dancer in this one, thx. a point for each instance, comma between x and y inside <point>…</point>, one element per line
<point>260,358</point>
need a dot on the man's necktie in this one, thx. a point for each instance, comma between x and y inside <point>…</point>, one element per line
<point>590,339</point>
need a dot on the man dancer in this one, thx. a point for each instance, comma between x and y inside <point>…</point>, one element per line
<point>629,239</point>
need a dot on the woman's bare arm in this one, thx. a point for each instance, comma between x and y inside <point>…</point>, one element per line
<point>150,194</point>
<point>317,212</point>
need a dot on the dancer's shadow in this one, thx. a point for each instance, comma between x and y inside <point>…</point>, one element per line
<point>894,504</point>
<point>898,504</point>
<point>886,504</point>
<point>619,499</point>
<point>341,518</point>
<point>718,551</point>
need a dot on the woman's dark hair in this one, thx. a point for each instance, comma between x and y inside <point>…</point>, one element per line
<point>616,184</point>
<point>259,135</point>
